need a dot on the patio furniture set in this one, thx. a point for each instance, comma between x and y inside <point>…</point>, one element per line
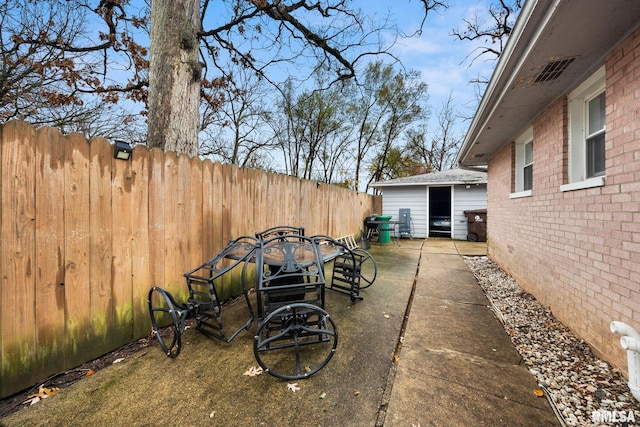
<point>295,336</point>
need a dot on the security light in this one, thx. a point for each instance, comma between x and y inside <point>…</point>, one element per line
<point>121,150</point>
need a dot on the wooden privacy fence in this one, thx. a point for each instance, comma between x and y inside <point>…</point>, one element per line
<point>85,236</point>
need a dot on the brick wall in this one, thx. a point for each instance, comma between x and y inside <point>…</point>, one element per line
<point>578,251</point>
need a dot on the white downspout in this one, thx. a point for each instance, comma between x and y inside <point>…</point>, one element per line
<point>630,341</point>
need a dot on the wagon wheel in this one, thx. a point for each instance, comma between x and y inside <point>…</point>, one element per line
<point>167,322</point>
<point>368,268</point>
<point>295,341</point>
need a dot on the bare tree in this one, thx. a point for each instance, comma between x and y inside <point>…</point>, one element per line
<point>494,32</point>
<point>404,97</point>
<point>259,34</point>
<point>367,114</point>
<point>42,66</point>
<point>50,75</point>
<point>98,118</point>
<point>437,151</point>
<point>332,134</point>
<point>310,130</point>
<point>285,130</point>
<point>382,106</point>
<point>326,134</point>
<point>191,44</point>
<point>235,130</point>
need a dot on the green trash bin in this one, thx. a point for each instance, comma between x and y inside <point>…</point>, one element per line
<point>384,230</point>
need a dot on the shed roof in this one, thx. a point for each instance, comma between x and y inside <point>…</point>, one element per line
<point>449,177</point>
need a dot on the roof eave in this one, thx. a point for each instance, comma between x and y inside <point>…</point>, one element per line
<point>543,31</point>
<point>427,183</point>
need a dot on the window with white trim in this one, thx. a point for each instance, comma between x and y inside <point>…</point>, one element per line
<point>587,126</point>
<point>524,164</point>
<point>527,170</point>
<point>595,135</point>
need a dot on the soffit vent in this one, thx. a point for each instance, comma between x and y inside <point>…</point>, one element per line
<point>553,70</point>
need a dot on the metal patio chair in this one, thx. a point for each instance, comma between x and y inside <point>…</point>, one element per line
<point>367,268</point>
<point>352,269</point>
<point>203,302</point>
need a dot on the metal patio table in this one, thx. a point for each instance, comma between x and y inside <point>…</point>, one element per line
<point>295,336</point>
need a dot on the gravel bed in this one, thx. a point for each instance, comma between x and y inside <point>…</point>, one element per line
<point>583,389</point>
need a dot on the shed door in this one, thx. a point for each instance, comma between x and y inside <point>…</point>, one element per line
<point>440,211</point>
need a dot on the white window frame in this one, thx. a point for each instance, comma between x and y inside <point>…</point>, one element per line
<point>578,113</point>
<point>520,146</point>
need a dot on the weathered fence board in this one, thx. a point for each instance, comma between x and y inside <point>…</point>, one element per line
<point>49,261</point>
<point>209,230</point>
<point>171,211</point>
<point>191,187</point>
<point>18,255</point>
<point>101,309</point>
<point>217,214</point>
<point>85,236</point>
<point>122,208</point>
<point>262,212</point>
<point>76,247</point>
<point>156,217</point>
<point>141,263</point>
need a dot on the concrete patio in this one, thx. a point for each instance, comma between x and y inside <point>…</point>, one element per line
<point>422,348</point>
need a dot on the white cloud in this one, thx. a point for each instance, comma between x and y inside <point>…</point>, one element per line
<point>445,63</point>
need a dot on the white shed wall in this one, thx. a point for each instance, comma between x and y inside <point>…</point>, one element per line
<point>465,199</point>
<point>416,199</point>
<point>412,197</point>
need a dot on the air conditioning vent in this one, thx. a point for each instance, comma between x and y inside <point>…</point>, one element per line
<point>553,70</point>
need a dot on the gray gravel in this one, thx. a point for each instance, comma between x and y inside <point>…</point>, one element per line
<point>583,389</point>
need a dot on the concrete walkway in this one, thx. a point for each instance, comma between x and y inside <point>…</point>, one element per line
<point>457,366</point>
<point>421,349</point>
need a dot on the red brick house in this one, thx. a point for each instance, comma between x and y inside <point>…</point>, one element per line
<point>559,131</point>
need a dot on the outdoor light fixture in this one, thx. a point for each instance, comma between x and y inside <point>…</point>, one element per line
<point>121,150</point>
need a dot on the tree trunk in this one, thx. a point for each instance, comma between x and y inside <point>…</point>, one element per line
<point>174,76</point>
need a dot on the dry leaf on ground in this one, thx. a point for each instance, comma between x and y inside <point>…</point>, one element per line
<point>293,387</point>
<point>253,371</point>
<point>42,393</point>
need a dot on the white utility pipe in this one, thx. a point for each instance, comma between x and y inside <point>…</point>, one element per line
<point>630,341</point>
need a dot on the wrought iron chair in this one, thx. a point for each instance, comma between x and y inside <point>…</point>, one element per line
<point>295,336</point>
<point>345,272</point>
<point>367,268</point>
<point>280,230</point>
<point>203,303</point>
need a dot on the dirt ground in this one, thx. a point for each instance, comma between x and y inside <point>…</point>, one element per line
<point>206,384</point>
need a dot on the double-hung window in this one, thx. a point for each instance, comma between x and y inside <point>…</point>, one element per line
<point>595,135</point>
<point>527,170</point>
<point>524,165</point>
<point>587,126</point>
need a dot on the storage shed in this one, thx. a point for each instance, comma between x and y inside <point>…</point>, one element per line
<point>436,201</point>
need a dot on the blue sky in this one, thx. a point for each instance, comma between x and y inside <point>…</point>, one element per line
<point>438,56</point>
<point>443,61</point>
